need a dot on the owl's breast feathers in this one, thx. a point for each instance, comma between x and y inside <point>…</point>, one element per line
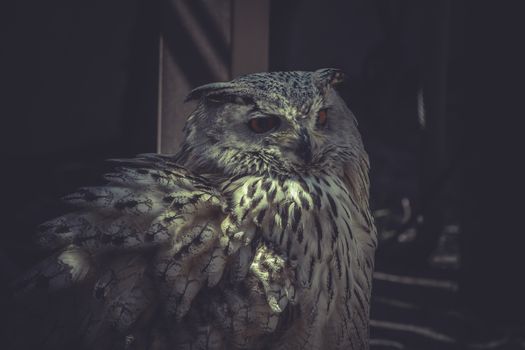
<point>322,234</point>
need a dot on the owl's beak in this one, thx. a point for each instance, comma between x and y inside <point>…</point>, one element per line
<point>304,146</point>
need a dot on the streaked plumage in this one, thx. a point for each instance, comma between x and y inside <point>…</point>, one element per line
<point>242,240</point>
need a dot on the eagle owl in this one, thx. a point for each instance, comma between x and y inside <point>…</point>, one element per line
<point>256,235</point>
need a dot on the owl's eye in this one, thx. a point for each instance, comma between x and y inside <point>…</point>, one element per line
<point>322,117</point>
<point>264,124</point>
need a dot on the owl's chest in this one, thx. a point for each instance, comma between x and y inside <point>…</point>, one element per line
<point>311,223</point>
<point>318,232</point>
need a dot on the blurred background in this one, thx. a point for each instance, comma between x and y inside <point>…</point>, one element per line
<point>434,85</point>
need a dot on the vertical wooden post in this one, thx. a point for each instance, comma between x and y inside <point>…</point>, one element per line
<point>205,41</point>
<point>195,49</point>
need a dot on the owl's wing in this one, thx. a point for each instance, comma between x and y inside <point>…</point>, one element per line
<point>143,245</point>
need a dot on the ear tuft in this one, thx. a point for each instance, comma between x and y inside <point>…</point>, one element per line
<point>204,90</point>
<point>328,77</point>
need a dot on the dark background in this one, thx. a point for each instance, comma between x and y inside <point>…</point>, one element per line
<point>80,81</point>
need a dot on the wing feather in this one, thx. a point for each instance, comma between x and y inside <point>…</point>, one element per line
<point>135,254</point>
<point>143,245</point>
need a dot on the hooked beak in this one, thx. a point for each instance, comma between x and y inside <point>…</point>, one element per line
<point>304,146</point>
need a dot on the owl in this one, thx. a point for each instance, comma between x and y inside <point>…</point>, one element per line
<point>256,235</point>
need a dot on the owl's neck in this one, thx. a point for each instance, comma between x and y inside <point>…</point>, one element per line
<point>226,162</point>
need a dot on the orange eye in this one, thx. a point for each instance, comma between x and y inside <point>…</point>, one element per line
<point>322,117</point>
<point>264,124</point>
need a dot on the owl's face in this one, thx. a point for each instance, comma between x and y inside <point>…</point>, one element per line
<point>283,122</point>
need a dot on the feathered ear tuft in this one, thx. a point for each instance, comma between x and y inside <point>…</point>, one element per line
<point>213,88</point>
<point>328,77</point>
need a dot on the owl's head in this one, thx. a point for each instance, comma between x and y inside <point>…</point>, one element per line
<point>271,123</point>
